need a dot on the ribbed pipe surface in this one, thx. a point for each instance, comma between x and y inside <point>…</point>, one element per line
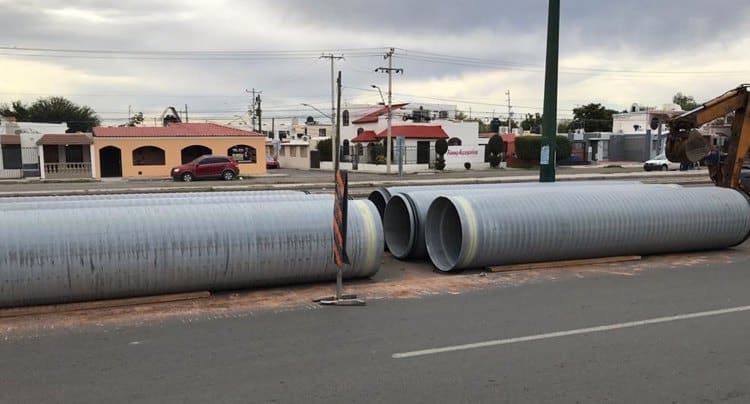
<point>214,197</point>
<point>478,230</point>
<point>101,197</point>
<point>66,255</point>
<point>380,196</point>
<point>406,212</point>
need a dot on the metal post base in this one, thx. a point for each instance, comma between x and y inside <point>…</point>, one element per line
<point>345,300</point>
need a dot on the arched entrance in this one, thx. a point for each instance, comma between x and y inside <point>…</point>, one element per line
<point>110,159</point>
<point>191,153</point>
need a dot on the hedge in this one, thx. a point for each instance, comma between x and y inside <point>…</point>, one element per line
<point>529,148</point>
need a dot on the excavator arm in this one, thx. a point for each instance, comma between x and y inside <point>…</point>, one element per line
<point>686,144</point>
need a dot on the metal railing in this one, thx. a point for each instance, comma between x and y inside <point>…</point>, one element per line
<point>67,170</point>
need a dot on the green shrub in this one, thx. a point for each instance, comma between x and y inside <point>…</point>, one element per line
<point>564,148</point>
<point>495,147</point>
<point>441,146</point>
<point>379,159</point>
<point>440,163</point>
<point>376,150</point>
<point>324,147</point>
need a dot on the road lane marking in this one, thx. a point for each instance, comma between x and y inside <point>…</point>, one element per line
<point>579,331</point>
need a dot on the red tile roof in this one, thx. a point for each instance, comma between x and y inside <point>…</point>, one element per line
<point>373,116</point>
<point>10,139</point>
<point>174,130</point>
<point>365,137</point>
<point>66,139</point>
<point>416,132</point>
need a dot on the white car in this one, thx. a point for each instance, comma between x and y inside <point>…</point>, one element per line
<point>660,163</point>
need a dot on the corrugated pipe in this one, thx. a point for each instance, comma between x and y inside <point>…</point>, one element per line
<point>213,197</point>
<point>406,212</point>
<point>101,197</point>
<point>483,230</point>
<point>66,255</point>
<point>380,196</point>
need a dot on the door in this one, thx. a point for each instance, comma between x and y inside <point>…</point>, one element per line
<point>423,152</point>
<point>110,159</point>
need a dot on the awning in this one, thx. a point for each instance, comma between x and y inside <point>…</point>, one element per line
<point>10,139</point>
<point>66,139</point>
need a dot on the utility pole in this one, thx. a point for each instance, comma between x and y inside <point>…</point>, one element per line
<point>390,69</point>
<point>187,120</point>
<point>510,114</point>
<point>549,124</point>
<point>273,128</point>
<point>254,110</point>
<point>333,59</point>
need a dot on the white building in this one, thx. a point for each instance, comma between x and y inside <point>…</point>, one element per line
<point>19,148</point>
<point>638,119</point>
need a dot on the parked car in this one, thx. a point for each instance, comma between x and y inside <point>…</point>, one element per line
<point>271,163</point>
<point>660,163</point>
<point>205,167</point>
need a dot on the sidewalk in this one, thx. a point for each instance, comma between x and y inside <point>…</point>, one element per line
<point>681,177</point>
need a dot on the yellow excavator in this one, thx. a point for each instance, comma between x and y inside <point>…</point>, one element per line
<point>685,144</point>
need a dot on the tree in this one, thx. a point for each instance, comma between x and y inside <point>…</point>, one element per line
<point>324,148</point>
<point>565,126</point>
<point>593,118</point>
<point>80,118</point>
<point>686,102</point>
<point>461,116</point>
<point>532,123</point>
<point>16,110</point>
<point>135,120</point>
<point>495,147</point>
<point>441,147</point>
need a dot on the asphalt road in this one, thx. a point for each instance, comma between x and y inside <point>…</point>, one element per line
<point>347,354</point>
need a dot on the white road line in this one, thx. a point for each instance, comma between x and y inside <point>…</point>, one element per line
<point>579,331</point>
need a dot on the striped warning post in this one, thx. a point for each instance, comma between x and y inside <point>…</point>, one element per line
<point>340,209</point>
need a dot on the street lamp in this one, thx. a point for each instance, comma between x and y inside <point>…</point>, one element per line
<point>319,111</point>
<point>379,91</point>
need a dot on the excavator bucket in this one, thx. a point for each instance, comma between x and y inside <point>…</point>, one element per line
<point>696,146</point>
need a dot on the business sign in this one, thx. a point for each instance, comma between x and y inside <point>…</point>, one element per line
<point>462,154</point>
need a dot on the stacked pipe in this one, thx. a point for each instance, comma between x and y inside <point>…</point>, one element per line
<point>119,248</point>
<point>406,212</point>
<point>479,230</point>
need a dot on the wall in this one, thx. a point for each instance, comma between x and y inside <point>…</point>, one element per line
<point>172,152</point>
<point>295,155</point>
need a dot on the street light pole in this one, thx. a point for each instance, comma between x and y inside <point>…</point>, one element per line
<point>549,125</point>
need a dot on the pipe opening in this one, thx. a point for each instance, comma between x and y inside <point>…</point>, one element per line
<point>443,234</point>
<point>380,198</point>
<point>399,226</point>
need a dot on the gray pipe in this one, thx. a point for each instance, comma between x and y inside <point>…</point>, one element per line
<point>215,197</point>
<point>406,212</point>
<point>478,231</point>
<point>66,255</point>
<point>380,196</point>
<point>102,197</point>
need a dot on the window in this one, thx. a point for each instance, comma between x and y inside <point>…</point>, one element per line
<point>321,132</point>
<point>242,153</point>
<point>12,156</point>
<point>148,156</point>
<point>74,154</point>
<point>454,141</point>
<point>345,117</point>
<point>292,152</point>
<point>303,151</point>
<point>214,160</point>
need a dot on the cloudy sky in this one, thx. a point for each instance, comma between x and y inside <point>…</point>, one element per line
<point>156,53</point>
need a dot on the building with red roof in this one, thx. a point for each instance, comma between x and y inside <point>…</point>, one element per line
<point>153,151</point>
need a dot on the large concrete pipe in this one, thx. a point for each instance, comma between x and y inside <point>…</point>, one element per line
<point>213,197</point>
<point>482,230</point>
<point>66,255</point>
<point>100,197</point>
<point>380,196</point>
<point>406,212</point>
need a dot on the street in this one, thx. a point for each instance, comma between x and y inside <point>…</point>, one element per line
<point>658,339</point>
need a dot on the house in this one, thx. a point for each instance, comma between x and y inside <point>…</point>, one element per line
<point>419,141</point>
<point>18,146</point>
<point>153,151</point>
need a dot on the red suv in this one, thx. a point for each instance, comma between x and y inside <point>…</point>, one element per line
<point>207,167</point>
